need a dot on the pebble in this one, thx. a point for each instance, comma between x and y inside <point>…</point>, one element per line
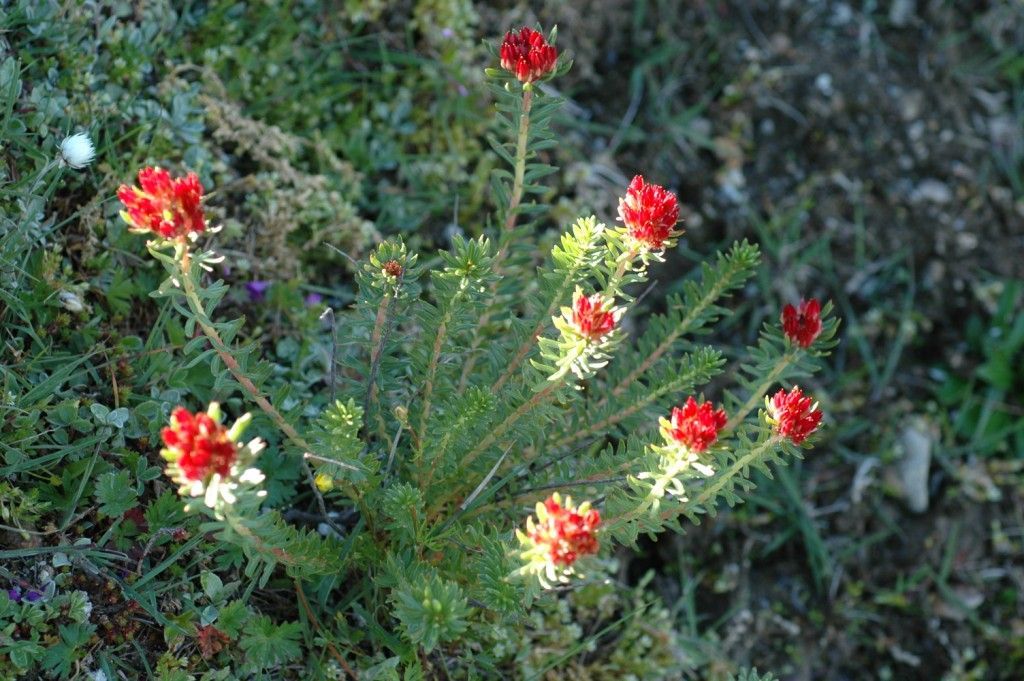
<point>901,12</point>
<point>911,104</point>
<point>912,469</point>
<point>931,190</point>
<point>824,84</point>
<point>732,185</point>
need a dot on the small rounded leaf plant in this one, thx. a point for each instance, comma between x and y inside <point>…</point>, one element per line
<point>474,397</point>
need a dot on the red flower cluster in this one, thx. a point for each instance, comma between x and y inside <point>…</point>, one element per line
<point>591,316</point>
<point>392,268</point>
<point>565,531</point>
<point>793,414</point>
<point>802,324</point>
<point>526,55</point>
<point>198,445</point>
<point>649,212</point>
<point>166,206</point>
<point>695,425</point>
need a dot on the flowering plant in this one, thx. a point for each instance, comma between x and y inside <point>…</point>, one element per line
<point>469,393</point>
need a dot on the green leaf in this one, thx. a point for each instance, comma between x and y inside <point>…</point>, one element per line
<point>115,493</point>
<point>267,644</point>
<point>60,658</point>
<point>212,585</point>
<point>431,613</point>
<point>232,618</point>
<point>118,417</point>
<point>104,416</point>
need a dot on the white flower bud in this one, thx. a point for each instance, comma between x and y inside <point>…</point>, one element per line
<point>77,150</point>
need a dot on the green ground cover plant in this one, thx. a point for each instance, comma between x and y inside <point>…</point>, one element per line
<point>403,511</point>
<point>320,134</point>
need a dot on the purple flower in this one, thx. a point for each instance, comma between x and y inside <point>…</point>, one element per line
<point>31,596</point>
<point>447,32</point>
<point>257,289</point>
<point>314,299</point>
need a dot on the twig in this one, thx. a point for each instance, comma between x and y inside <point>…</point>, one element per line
<point>321,504</point>
<point>566,483</point>
<point>149,545</point>
<point>391,454</point>
<point>381,331</point>
<point>327,318</point>
<point>428,383</point>
<point>316,625</point>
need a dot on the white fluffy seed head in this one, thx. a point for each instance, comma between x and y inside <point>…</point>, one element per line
<point>77,150</point>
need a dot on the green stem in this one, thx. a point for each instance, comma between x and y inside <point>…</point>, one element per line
<point>192,296</point>
<point>520,169</point>
<point>496,433</point>
<point>707,493</point>
<point>376,350</point>
<point>518,182</point>
<point>428,384</point>
<point>530,341</point>
<point>757,395</point>
<point>665,344</point>
<point>711,491</point>
<point>625,260</point>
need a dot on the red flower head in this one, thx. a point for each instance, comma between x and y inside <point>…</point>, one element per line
<point>591,316</point>
<point>649,212</point>
<point>793,414</point>
<point>526,55</point>
<point>198,445</point>
<point>694,425</point>
<point>802,324</point>
<point>392,268</point>
<point>564,532</point>
<point>166,206</point>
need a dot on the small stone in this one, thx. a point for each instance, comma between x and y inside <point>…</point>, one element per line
<point>1005,132</point>
<point>959,603</point>
<point>842,14</point>
<point>911,104</point>
<point>967,241</point>
<point>701,127</point>
<point>977,484</point>
<point>862,479</point>
<point>932,191</point>
<point>912,469</point>
<point>901,12</point>
<point>780,43</point>
<point>824,84</point>
<point>733,183</point>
